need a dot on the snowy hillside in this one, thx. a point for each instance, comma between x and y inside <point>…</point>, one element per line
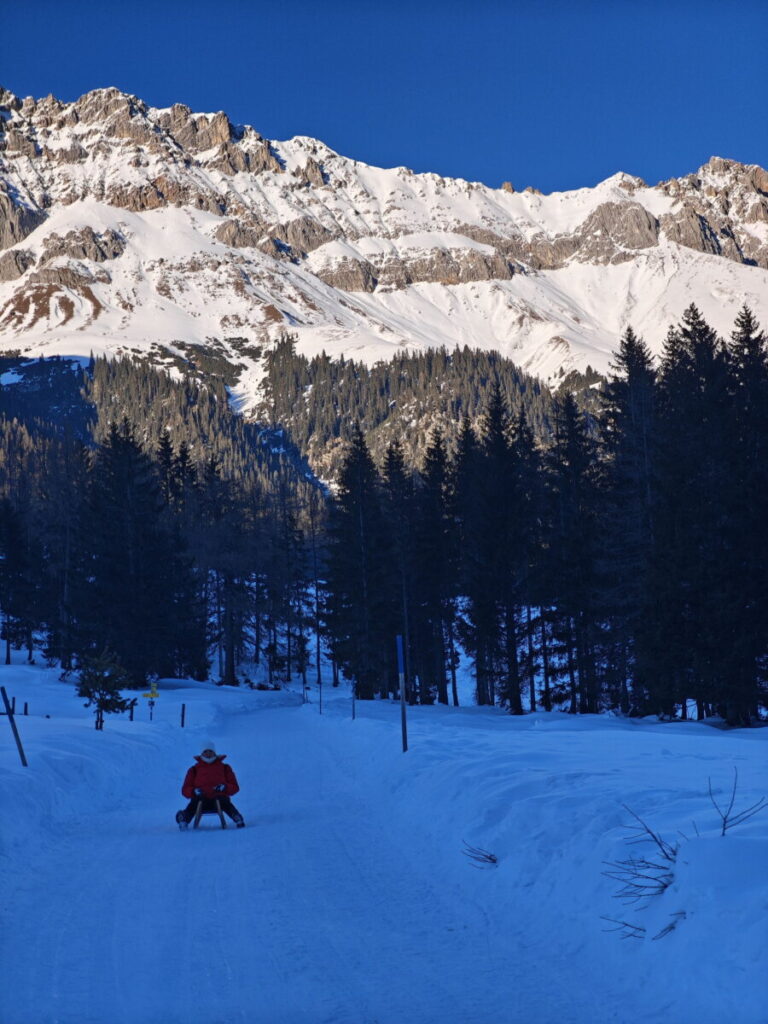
<point>348,898</point>
<point>127,228</point>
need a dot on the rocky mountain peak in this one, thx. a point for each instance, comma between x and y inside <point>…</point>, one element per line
<point>126,226</point>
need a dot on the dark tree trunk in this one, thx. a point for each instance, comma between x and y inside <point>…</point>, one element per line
<point>513,668</point>
<point>574,708</point>
<point>531,662</point>
<point>545,663</point>
<point>452,652</point>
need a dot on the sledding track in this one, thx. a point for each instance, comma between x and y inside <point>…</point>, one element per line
<point>347,899</point>
<point>312,914</point>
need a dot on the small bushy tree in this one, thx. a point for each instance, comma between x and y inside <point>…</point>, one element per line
<point>101,680</point>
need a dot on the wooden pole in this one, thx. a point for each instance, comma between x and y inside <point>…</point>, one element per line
<point>401,675</point>
<point>183,714</point>
<point>12,720</point>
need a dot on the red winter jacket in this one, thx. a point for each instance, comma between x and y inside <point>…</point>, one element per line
<point>207,776</point>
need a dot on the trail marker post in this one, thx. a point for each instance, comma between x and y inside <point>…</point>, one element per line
<point>401,677</point>
<point>151,697</point>
<point>12,720</point>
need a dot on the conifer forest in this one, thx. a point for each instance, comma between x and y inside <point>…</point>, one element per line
<point>599,547</point>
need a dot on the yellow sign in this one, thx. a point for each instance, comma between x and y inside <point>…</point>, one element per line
<point>152,693</point>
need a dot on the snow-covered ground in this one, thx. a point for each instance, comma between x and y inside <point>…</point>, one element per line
<point>348,899</point>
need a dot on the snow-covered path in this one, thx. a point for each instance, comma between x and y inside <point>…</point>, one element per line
<point>316,912</point>
<point>341,902</point>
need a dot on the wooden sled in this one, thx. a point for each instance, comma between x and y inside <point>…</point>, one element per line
<point>199,813</point>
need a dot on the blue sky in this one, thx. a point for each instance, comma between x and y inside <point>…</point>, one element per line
<point>552,94</point>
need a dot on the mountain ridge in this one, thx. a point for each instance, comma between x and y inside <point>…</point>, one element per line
<point>130,229</point>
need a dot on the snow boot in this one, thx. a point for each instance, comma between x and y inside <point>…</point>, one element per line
<point>238,820</point>
<point>182,821</point>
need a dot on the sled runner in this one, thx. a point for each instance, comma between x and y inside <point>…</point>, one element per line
<point>199,813</point>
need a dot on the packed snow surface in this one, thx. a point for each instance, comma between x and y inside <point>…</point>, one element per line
<point>348,898</point>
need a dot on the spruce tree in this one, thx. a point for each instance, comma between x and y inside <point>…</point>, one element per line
<point>573,484</point>
<point>127,600</point>
<point>691,579</point>
<point>400,516</point>
<point>436,572</point>
<point>748,515</point>
<point>360,595</point>
<point>630,450</point>
<point>19,580</point>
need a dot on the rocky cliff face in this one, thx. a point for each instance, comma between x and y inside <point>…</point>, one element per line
<point>124,227</point>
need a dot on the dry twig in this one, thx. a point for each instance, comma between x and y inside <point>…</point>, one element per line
<point>679,916</point>
<point>482,857</point>
<point>627,929</point>
<point>727,820</point>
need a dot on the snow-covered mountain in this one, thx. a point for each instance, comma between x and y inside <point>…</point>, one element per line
<point>125,228</point>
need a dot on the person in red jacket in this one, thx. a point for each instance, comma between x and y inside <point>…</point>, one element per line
<point>209,780</point>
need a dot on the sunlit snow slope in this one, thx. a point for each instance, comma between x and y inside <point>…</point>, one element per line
<point>124,227</point>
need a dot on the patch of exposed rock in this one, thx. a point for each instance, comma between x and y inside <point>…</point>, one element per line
<point>304,234</point>
<point>239,235</point>
<point>163,191</point>
<point>312,173</point>
<point>200,133</point>
<point>49,288</point>
<point>611,234</point>
<point>101,104</point>
<point>16,142</point>
<point>615,231</point>
<point>350,275</point>
<point>75,153</point>
<point>692,230</point>
<point>545,253</point>
<point>74,278</point>
<point>441,266</point>
<point>8,100</point>
<point>294,239</point>
<point>15,263</point>
<point>195,132</point>
<point>444,266</point>
<point>84,244</point>
<point>233,159</point>
<point>16,221</point>
<point>715,208</point>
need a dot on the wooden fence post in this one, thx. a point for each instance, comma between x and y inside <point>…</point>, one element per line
<point>9,711</point>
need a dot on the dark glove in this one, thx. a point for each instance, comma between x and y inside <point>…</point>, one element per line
<point>221,788</point>
<point>198,792</point>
